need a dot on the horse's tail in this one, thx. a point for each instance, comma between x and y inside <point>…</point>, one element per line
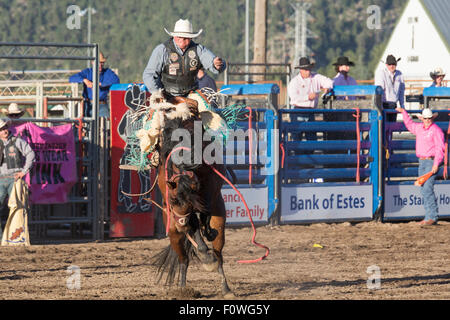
<point>167,262</point>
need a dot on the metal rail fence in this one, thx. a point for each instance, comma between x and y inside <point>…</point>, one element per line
<point>91,185</point>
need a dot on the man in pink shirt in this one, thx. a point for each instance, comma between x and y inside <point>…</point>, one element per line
<point>304,91</point>
<point>430,151</point>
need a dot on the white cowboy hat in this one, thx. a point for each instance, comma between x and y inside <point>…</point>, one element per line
<point>437,72</point>
<point>3,123</point>
<point>427,114</point>
<point>183,28</point>
<point>13,108</point>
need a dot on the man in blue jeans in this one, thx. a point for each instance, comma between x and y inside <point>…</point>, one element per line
<point>430,151</point>
<point>106,79</point>
<point>16,160</point>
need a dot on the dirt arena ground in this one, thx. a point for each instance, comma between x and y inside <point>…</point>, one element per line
<point>413,263</point>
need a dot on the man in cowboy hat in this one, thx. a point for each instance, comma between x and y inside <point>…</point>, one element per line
<point>342,67</point>
<point>16,159</point>
<point>430,150</point>
<point>14,111</point>
<point>391,80</point>
<point>106,79</point>
<point>174,64</point>
<point>438,76</point>
<point>304,90</point>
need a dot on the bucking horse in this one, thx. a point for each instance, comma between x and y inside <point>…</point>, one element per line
<point>193,207</point>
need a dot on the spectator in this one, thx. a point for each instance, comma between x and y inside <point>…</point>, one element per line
<point>391,80</point>
<point>304,90</point>
<point>14,113</point>
<point>438,76</point>
<point>106,79</point>
<point>166,66</point>
<point>430,151</point>
<point>342,67</point>
<point>205,81</point>
<point>16,160</point>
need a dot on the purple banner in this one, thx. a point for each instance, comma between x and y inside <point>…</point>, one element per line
<point>54,172</point>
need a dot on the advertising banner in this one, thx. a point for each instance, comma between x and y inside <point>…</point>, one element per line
<point>406,201</point>
<point>54,172</point>
<point>257,202</point>
<point>332,203</point>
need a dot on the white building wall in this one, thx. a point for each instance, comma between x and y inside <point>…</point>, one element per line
<point>417,42</point>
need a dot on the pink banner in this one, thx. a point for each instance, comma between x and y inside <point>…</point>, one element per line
<point>54,171</point>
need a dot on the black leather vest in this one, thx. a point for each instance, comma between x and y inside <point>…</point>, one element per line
<point>180,72</point>
<point>11,154</point>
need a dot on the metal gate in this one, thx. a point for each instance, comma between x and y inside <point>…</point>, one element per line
<point>85,210</point>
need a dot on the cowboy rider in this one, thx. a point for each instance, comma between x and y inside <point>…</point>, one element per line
<point>173,65</point>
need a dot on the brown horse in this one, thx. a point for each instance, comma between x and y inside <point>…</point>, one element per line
<point>193,209</point>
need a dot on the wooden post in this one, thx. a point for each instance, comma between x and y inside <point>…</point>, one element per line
<point>260,36</point>
<point>103,172</point>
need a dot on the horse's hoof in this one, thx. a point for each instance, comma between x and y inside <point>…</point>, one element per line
<point>208,260</point>
<point>211,266</point>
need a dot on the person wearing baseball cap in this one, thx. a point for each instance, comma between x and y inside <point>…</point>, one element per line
<point>174,64</point>
<point>107,78</point>
<point>430,149</point>
<point>391,80</point>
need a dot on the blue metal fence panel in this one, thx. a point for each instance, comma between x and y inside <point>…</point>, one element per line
<point>325,165</point>
<point>436,92</point>
<point>259,193</point>
<point>250,89</point>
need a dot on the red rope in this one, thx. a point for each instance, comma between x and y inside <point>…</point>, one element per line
<point>235,189</point>
<point>250,145</point>
<point>249,216</point>
<point>282,155</point>
<point>358,145</point>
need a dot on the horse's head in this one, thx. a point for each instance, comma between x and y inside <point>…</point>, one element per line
<point>184,199</point>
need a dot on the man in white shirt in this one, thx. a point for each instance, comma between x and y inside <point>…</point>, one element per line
<point>391,80</point>
<point>304,91</point>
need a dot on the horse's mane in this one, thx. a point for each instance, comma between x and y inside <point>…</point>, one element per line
<point>187,186</point>
<point>168,145</point>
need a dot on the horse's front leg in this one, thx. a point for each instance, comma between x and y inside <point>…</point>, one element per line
<point>218,223</point>
<point>177,243</point>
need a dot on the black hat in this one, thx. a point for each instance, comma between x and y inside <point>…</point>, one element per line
<point>391,60</point>
<point>304,63</point>
<point>343,61</point>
